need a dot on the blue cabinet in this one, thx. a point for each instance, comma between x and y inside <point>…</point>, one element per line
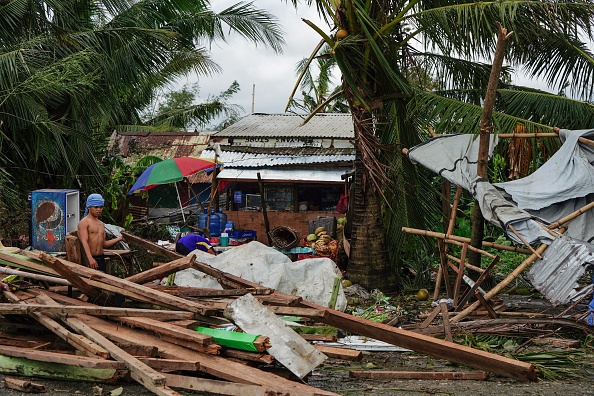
<point>54,213</point>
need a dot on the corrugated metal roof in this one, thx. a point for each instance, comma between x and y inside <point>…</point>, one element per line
<point>325,175</point>
<point>557,273</point>
<point>333,125</point>
<point>231,159</point>
<point>134,146</point>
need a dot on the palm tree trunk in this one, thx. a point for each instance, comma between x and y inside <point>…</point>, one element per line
<point>368,262</point>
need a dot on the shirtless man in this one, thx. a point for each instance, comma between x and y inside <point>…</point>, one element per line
<point>91,232</point>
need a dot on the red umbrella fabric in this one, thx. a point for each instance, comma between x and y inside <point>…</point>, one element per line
<point>169,171</point>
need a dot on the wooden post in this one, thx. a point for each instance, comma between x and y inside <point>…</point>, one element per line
<point>486,128</point>
<point>213,193</point>
<point>264,212</point>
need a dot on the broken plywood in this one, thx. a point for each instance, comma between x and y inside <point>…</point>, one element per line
<point>288,347</point>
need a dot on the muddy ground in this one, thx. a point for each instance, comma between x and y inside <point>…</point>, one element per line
<point>334,376</point>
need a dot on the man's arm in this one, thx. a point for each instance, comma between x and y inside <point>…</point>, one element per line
<point>111,242</point>
<point>83,235</point>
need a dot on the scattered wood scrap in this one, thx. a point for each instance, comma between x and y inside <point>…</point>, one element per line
<point>152,336</point>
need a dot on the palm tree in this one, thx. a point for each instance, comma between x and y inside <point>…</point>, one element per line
<point>317,89</point>
<point>71,71</point>
<point>378,47</point>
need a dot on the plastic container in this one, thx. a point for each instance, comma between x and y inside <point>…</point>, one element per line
<point>228,227</point>
<point>223,218</point>
<point>202,219</point>
<point>224,239</point>
<point>214,227</point>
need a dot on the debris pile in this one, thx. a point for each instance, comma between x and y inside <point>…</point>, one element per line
<point>167,337</point>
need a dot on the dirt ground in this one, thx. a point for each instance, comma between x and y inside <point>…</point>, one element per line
<point>334,376</point>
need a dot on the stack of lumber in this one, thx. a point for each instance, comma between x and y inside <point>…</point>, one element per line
<point>108,327</point>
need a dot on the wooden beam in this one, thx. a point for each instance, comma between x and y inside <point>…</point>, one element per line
<point>420,375</point>
<point>229,388</point>
<point>21,309</point>
<point>153,247</point>
<point>162,271</point>
<point>23,385</point>
<point>72,277</point>
<point>211,364</point>
<point>170,364</point>
<point>340,353</point>
<point>420,343</point>
<point>121,286</point>
<point>77,341</point>
<point>251,356</point>
<point>32,368</point>
<point>62,358</point>
<point>163,328</point>
<point>188,291</point>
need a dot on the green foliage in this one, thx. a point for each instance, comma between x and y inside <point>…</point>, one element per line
<point>379,61</point>
<point>71,72</point>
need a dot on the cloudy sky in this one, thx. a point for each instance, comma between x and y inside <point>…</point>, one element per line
<point>273,74</point>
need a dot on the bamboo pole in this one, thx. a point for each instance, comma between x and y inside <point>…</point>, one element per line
<point>440,235</point>
<point>524,241</point>
<point>491,293</point>
<point>571,216</point>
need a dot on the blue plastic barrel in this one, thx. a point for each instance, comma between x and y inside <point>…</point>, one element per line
<point>202,219</point>
<point>215,224</point>
<point>223,218</point>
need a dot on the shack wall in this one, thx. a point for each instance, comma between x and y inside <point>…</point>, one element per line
<point>254,220</point>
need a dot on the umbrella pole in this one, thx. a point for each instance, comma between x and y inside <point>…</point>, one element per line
<point>180,204</point>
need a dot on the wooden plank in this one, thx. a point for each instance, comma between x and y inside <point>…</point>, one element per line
<point>32,368</point>
<point>421,375</point>
<point>460,274</point>
<point>211,364</point>
<point>296,311</point>
<point>477,284</point>
<point>445,316</point>
<point>77,341</point>
<point>29,275</point>
<point>188,291</point>
<point>170,364</point>
<point>121,286</point>
<point>67,273</point>
<point>62,358</point>
<point>143,373</point>
<point>251,356</point>
<point>486,305</point>
<point>23,385</point>
<point>162,271</point>
<point>229,388</point>
<point>436,311</point>
<point>420,343</point>
<point>319,337</point>
<point>164,328</point>
<point>340,353</point>
<point>153,247</point>
<point>21,309</point>
<point>73,249</point>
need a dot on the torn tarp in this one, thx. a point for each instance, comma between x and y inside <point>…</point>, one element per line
<point>562,185</point>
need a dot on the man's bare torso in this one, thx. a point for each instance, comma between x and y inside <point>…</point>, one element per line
<point>96,234</point>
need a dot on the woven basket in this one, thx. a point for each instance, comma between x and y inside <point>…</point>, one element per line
<point>284,238</point>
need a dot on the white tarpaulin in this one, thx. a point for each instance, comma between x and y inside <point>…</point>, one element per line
<point>312,279</point>
<point>562,185</point>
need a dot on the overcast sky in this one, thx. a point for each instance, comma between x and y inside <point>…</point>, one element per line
<point>273,74</point>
